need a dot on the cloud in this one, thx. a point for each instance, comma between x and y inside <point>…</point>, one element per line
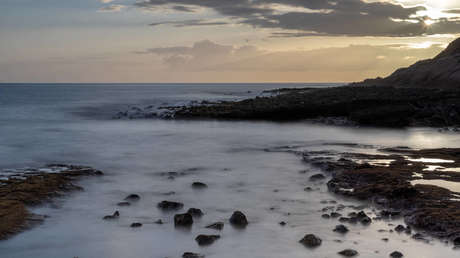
<point>112,8</point>
<point>354,62</point>
<point>106,1</point>
<point>318,17</point>
<point>190,23</point>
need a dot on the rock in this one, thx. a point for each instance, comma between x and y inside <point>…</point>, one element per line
<point>159,222</point>
<point>326,216</point>
<point>123,204</point>
<point>206,239</point>
<point>317,177</point>
<point>385,239</point>
<point>308,189</point>
<point>216,226</point>
<point>400,228</point>
<point>192,255</point>
<point>363,218</point>
<point>335,214</point>
<point>282,223</point>
<point>183,220</point>
<point>238,219</point>
<point>348,253</point>
<point>136,225</point>
<point>311,241</point>
<point>195,212</point>
<point>199,185</point>
<point>456,241</point>
<point>396,254</point>
<point>341,229</point>
<point>115,215</point>
<point>167,205</point>
<point>133,197</point>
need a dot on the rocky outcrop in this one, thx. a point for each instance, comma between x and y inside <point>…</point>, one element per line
<point>32,187</point>
<point>443,71</point>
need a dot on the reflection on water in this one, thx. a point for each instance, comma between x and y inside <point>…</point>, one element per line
<point>229,157</point>
<point>426,160</point>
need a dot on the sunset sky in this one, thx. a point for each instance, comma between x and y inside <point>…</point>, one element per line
<point>219,40</point>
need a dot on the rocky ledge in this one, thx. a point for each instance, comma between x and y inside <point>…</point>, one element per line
<point>404,182</point>
<point>29,187</point>
<point>370,105</point>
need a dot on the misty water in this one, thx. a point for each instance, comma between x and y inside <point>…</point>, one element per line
<point>239,160</point>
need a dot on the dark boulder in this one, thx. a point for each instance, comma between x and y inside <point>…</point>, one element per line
<point>396,254</point>
<point>238,219</point>
<point>400,228</point>
<point>206,239</point>
<point>341,229</point>
<point>183,220</point>
<point>136,225</point>
<point>348,252</point>
<point>192,255</point>
<point>199,185</point>
<point>311,241</point>
<point>167,205</point>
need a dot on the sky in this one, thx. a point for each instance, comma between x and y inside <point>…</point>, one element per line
<point>107,41</point>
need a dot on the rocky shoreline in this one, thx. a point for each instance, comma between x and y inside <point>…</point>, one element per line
<point>368,106</point>
<point>30,187</point>
<point>399,183</point>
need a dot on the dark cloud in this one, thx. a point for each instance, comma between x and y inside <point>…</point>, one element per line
<point>319,17</point>
<point>189,23</point>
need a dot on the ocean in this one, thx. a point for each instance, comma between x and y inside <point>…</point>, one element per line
<point>240,162</point>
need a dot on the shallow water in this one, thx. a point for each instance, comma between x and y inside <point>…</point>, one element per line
<point>68,125</point>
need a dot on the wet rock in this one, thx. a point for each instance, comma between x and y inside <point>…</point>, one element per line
<point>348,252</point>
<point>183,220</point>
<point>123,204</point>
<point>192,255</point>
<point>408,230</point>
<point>136,225</point>
<point>326,216</point>
<point>400,228</point>
<point>238,219</point>
<point>335,214</point>
<point>115,215</point>
<point>311,241</point>
<point>167,205</point>
<point>195,212</point>
<point>363,218</point>
<point>206,239</point>
<point>133,197</point>
<point>341,229</point>
<point>159,222</point>
<point>317,177</point>
<point>282,223</point>
<point>385,239</point>
<point>308,189</point>
<point>396,254</point>
<point>456,241</point>
<point>199,185</point>
<point>216,226</point>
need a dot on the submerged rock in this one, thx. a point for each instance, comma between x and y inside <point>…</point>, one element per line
<point>123,204</point>
<point>136,225</point>
<point>206,239</point>
<point>311,241</point>
<point>348,252</point>
<point>192,255</point>
<point>183,220</point>
<point>317,177</point>
<point>238,219</point>
<point>341,229</point>
<point>216,226</point>
<point>195,212</point>
<point>168,205</point>
<point>115,215</point>
<point>199,185</point>
<point>133,197</point>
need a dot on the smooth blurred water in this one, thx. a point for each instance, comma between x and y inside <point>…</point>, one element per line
<point>71,124</point>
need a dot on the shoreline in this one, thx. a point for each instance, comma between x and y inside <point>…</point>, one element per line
<point>30,187</point>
